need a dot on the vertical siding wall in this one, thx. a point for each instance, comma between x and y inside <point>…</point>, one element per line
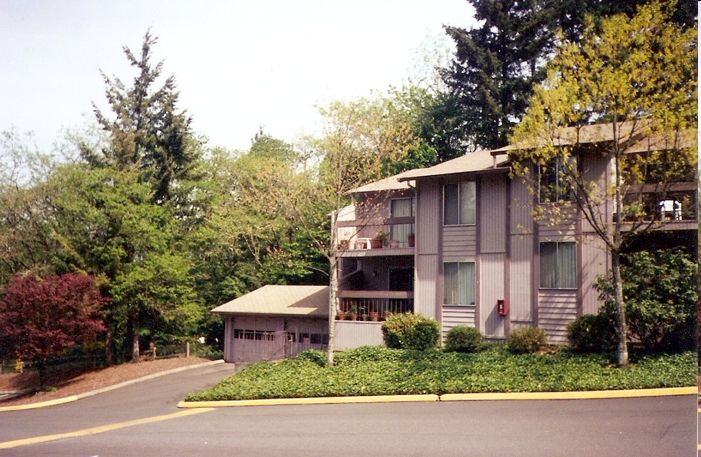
<point>493,228</point>
<point>522,256</point>
<point>595,262</point>
<point>428,229</point>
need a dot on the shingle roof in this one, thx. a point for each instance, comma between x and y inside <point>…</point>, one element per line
<point>474,161</point>
<point>388,183</point>
<point>281,300</point>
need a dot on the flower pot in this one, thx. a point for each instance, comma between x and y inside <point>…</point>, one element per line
<point>376,243</point>
<point>375,316</point>
<point>411,239</point>
<point>354,317</point>
<point>394,243</point>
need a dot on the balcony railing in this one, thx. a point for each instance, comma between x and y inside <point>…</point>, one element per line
<point>647,203</point>
<point>392,233</point>
<point>374,305</point>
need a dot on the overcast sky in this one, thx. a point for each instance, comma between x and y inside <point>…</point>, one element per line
<point>238,64</point>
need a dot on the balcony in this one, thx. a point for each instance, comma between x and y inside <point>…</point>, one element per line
<point>396,235</point>
<point>373,305</point>
<point>675,208</point>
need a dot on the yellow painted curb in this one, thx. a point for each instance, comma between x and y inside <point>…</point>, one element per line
<point>583,395</point>
<point>310,401</point>
<point>43,404</point>
<point>595,394</point>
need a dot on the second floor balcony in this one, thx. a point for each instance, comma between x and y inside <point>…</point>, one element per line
<point>388,237</point>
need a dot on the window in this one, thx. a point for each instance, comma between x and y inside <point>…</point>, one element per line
<point>459,283</point>
<point>558,265</point>
<point>460,203</point>
<point>552,181</point>
<point>401,207</point>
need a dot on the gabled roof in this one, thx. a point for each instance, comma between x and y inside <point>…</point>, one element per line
<point>472,162</point>
<point>312,301</point>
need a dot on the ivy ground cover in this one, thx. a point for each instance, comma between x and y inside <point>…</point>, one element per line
<point>374,370</point>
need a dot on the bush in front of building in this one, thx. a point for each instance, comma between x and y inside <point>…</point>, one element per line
<point>527,340</point>
<point>592,333</point>
<point>462,338</point>
<point>410,331</point>
<point>661,299</point>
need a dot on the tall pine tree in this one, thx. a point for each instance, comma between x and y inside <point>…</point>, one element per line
<point>497,63</point>
<point>147,131</point>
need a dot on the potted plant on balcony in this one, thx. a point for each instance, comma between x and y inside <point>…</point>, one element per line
<point>375,316</point>
<point>341,315</point>
<point>354,313</point>
<point>379,240</point>
<point>411,240</point>
<point>394,244</point>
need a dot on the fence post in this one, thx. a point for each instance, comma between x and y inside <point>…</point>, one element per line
<point>187,349</point>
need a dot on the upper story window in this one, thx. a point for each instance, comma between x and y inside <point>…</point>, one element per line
<point>402,207</point>
<point>552,181</point>
<point>558,265</point>
<point>460,203</point>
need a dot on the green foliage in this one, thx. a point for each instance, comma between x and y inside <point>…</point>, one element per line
<point>660,294</point>
<point>383,371</point>
<point>314,356</point>
<point>592,333</point>
<point>462,338</point>
<point>527,340</point>
<point>410,331</point>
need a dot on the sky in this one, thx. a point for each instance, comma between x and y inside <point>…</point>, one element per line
<point>238,65</point>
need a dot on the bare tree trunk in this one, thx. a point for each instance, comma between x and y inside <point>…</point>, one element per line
<point>109,355</point>
<point>621,326</point>
<point>135,334</point>
<point>333,289</point>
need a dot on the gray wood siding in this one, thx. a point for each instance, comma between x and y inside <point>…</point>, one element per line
<point>521,278</point>
<point>492,213</point>
<point>427,261</point>
<point>459,242</point>
<point>353,334</point>
<point>594,262</point>
<point>491,288</point>
<point>557,308</point>
<point>428,284</point>
<point>457,315</point>
<point>521,207</point>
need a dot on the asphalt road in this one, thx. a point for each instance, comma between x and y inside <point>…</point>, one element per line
<point>142,419</point>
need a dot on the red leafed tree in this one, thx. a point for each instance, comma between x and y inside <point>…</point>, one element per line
<point>41,318</point>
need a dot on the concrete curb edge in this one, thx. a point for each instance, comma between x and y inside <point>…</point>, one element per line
<point>581,395</point>
<point>73,398</point>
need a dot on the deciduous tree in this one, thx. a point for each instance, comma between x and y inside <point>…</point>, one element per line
<point>637,78</point>
<point>42,318</point>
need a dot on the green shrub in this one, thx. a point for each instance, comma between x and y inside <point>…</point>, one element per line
<point>410,331</point>
<point>463,339</point>
<point>313,355</point>
<point>592,333</point>
<point>527,340</point>
<point>660,290</point>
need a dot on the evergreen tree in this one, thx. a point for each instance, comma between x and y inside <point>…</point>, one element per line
<point>496,66</point>
<point>147,131</point>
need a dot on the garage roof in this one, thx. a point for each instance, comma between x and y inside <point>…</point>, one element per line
<point>281,300</point>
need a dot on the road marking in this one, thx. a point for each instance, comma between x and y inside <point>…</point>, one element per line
<point>101,429</point>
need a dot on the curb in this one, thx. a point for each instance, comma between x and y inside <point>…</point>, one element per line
<point>531,396</point>
<point>73,398</point>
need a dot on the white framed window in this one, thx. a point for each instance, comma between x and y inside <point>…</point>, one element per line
<point>460,203</point>
<point>558,265</point>
<point>459,283</point>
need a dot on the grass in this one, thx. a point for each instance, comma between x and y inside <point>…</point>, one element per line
<point>374,370</point>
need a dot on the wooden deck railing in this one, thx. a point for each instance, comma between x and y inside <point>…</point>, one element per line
<point>374,304</point>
